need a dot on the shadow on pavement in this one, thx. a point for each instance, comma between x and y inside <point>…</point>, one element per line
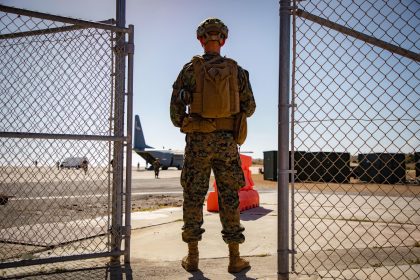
<point>242,275</point>
<point>238,276</point>
<point>91,273</point>
<point>198,276</point>
<point>255,213</point>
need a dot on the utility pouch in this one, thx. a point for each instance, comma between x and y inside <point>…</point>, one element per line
<point>190,124</point>
<point>240,128</point>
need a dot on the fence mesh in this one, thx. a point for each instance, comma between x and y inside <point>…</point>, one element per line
<point>55,182</point>
<point>356,133</point>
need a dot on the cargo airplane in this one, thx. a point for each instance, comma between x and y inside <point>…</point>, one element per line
<point>167,158</point>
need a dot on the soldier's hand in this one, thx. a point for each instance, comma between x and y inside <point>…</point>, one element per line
<point>185,97</point>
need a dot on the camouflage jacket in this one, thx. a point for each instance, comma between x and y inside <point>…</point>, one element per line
<point>186,81</point>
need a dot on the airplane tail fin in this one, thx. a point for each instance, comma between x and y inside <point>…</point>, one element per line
<point>139,142</point>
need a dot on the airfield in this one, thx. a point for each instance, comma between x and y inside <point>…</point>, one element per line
<point>62,211</point>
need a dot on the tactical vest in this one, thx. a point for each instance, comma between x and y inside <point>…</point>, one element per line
<point>217,92</point>
<point>215,101</point>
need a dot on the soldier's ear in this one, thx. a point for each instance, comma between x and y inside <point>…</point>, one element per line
<point>222,42</point>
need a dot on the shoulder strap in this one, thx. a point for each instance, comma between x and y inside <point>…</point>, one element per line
<point>197,59</point>
<point>197,62</point>
<point>231,61</point>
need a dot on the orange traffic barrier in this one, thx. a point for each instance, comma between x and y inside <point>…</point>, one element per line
<point>248,197</point>
<point>212,203</point>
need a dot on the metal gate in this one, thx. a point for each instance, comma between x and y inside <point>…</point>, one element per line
<point>62,138</point>
<point>355,130</point>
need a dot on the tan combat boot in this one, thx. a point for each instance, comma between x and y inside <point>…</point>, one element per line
<point>236,263</point>
<point>190,262</point>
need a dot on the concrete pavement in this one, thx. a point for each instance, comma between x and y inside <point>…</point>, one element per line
<point>156,243</point>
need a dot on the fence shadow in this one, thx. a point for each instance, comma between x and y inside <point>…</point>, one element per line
<point>104,272</point>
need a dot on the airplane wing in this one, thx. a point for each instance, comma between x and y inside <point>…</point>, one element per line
<point>146,156</point>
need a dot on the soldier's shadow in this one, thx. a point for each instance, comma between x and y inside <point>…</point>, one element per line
<point>254,213</point>
<point>198,275</point>
<point>242,275</point>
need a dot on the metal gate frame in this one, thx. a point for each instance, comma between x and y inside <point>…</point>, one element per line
<point>119,230</point>
<point>289,9</point>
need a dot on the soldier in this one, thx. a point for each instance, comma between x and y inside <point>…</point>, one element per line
<point>85,165</point>
<point>209,96</point>
<point>156,166</point>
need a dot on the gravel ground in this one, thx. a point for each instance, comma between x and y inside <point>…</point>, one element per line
<point>153,202</point>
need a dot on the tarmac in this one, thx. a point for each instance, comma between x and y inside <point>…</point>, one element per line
<point>157,247</point>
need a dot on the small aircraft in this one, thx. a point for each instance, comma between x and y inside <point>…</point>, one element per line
<point>167,158</point>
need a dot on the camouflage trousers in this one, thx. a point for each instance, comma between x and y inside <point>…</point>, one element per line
<point>203,152</point>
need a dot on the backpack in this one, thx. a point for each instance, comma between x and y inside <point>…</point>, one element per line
<point>217,92</point>
<point>216,99</point>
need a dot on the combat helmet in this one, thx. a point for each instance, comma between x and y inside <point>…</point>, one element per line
<point>212,25</point>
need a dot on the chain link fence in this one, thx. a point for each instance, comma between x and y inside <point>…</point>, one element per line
<point>356,197</point>
<point>57,139</point>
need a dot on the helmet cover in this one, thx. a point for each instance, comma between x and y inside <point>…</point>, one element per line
<point>212,25</point>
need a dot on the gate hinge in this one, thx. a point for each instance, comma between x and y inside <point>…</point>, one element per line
<point>126,49</point>
<point>291,105</point>
<point>122,230</point>
<point>126,230</point>
<point>288,251</point>
<point>288,9</point>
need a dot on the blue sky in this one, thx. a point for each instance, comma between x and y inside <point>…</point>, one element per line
<point>165,40</point>
<point>373,83</point>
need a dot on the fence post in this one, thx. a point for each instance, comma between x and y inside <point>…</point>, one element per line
<point>116,231</point>
<point>130,73</point>
<point>283,143</point>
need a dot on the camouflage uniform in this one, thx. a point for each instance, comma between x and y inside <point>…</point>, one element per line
<point>156,166</point>
<point>205,151</point>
